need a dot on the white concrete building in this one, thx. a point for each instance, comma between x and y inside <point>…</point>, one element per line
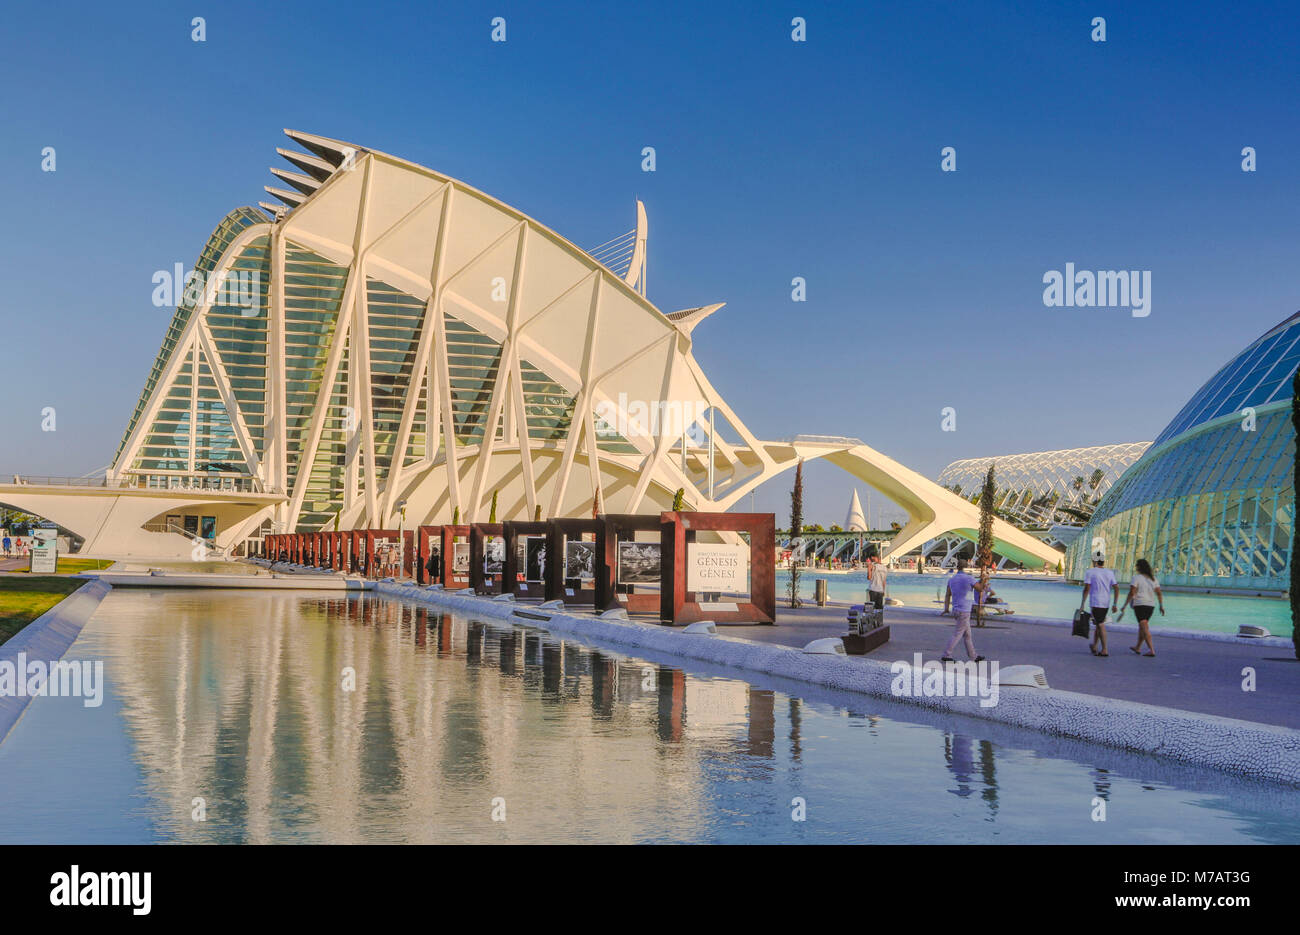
<point>389,345</point>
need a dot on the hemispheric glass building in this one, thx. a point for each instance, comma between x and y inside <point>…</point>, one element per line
<point>1211,502</point>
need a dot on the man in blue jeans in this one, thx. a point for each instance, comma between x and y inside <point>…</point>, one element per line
<point>961,588</point>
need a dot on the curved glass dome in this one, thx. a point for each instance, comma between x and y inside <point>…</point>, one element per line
<point>1211,503</point>
<point>1259,375</point>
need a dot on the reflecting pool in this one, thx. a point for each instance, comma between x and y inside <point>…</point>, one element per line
<point>239,716</point>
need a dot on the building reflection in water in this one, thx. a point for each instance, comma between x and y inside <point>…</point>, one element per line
<point>356,718</point>
<point>296,717</point>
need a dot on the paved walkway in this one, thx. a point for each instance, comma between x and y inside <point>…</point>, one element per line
<point>1204,676</point>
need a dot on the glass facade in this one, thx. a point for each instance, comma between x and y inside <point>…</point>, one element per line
<point>1211,504</point>
<point>313,291</point>
<point>229,228</point>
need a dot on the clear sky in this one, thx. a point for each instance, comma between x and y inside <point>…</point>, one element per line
<point>775,159</point>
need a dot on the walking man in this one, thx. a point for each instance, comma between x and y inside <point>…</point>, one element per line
<point>1100,593</point>
<point>961,587</point>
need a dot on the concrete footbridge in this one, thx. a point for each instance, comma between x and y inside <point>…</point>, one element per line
<point>933,512</point>
<point>123,517</point>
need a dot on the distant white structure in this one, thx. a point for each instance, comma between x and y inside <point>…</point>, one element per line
<point>855,522</point>
<point>1040,488</point>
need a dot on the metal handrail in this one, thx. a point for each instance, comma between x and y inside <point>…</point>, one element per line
<point>206,483</point>
<point>47,481</point>
<point>208,544</point>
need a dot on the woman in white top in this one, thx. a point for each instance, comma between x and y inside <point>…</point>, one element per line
<point>1144,593</point>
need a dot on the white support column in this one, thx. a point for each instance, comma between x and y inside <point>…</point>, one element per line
<point>582,402</point>
<point>501,387</point>
<point>593,457</point>
<point>360,357</point>
<point>203,335</point>
<point>432,309</point>
<point>523,440</point>
<point>193,351</point>
<point>277,461</point>
<point>307,452</point>
<point>443,376</point>
<point>652,461</point>
<point>432,398</point>
<point>711,448</point>
<point>352,447</point>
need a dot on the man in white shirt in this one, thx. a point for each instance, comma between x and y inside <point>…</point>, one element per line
<point>1100,593</point>
<point>876,584</point>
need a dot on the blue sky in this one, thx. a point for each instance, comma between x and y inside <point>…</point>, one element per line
<point>775,159</point>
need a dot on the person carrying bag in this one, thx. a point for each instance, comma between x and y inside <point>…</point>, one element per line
<point>1082,623</point>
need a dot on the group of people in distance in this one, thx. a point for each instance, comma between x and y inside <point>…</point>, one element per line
<point>15,546</point>
<point>1100,594</point>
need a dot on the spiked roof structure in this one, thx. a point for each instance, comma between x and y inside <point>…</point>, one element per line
<point>397,340</point>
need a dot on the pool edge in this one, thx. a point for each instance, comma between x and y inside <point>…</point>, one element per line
<point>48,639</point>
<point>1246,748</point>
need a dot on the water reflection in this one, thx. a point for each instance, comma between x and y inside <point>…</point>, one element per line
<point>352,718</point>
<point>333,716</point>
<point>970,768</point>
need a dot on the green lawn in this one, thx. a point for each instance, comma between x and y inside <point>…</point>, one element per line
<point>22,600</point>
<point>72,566</point>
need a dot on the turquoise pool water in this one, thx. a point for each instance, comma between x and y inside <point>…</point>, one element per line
<point>288,717</point>
<point>1037,598</point>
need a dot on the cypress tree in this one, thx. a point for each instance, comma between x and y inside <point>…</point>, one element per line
<point>796,532</point>
<point>984,551</point>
